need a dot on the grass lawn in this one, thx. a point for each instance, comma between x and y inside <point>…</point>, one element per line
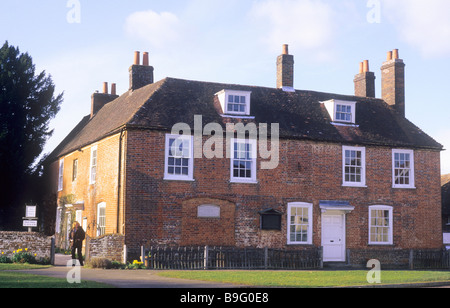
<point>22,280</point>
<point>308,279</point>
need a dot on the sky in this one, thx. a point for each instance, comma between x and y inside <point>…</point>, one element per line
<point>82,44</point>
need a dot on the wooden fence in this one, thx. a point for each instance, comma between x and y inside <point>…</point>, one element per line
<point>217,258</point>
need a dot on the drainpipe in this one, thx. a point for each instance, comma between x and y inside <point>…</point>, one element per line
<point>119,178</point>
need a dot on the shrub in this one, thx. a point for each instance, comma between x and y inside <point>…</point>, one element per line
<point>24,257</point>
<point>5,259</point>
<point>100,263</point>
<point>135,265</point>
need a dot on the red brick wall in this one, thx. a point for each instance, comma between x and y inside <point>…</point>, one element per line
<point>163,212</point>
<point>105,187</point>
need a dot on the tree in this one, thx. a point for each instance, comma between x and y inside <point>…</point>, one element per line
<point>27,104</point>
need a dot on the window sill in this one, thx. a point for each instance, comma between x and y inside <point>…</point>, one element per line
<point>381,244</point>
<point>355,186</point>
<point>234,181</point>
<point>299,244</point>
<point>178,180</point>
<point>237,116</point>
<point>404,187</point>
<point>348,124</point>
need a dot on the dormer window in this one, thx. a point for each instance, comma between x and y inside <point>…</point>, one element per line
<point>235,102</point>
<point>341,112</point>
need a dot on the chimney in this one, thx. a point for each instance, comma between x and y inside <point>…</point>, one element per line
<point>393,81</point>
<point>99,100</point>
<point>140,75</point>
<point>365,81</point>
<point>285,70</point>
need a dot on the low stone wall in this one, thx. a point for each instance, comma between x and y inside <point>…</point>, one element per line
<point>107,246</point>
<point>34,243</point>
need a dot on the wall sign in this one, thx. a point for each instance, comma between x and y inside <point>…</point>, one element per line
<point>208,211</point>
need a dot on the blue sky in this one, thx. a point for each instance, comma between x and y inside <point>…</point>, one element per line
<point>83,43</point>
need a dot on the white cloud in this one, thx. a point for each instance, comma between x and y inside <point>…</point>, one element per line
<point>424,24</point>
<point>158,29</point>
<point>303,24</point>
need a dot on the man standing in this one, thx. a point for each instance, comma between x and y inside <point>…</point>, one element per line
<point>76,237</point>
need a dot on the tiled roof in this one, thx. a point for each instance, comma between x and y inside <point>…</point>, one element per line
<point>300,114</point>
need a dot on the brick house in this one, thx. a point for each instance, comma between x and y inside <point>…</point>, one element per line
<point>445,181</point>
<point>353,175</point>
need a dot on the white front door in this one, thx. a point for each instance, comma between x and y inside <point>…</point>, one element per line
<point>333,237</point>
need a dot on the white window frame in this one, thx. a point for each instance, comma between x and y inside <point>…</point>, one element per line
<point>61,175</point>
<point>74,170</point>
<point>331,107</point>
<point>411,184</point>
<point>390,209</point>
<point>224,101</point>
<point>179,177</point>
<point>101,225</point>
<point>300,205</point>
<point>362,183</point>
<point>93,175</point>
<point>253,156</point>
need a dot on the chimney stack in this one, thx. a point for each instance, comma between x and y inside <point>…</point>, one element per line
<point>98,100</point>
<point>393,82</point>
<point>140,75</point>
<point>365,81</point>
<point>285,70</point>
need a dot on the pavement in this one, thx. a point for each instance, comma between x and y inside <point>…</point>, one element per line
<point>136,279</point>
<point>149,279</point>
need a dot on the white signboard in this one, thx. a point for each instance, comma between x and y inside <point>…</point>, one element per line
<point>30,223</point>
<point>30,211</point>
<point>208,211</point>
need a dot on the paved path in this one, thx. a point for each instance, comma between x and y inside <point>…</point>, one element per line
<point>124,278</point>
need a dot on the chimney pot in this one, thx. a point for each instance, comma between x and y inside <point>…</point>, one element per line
<point>361,67</point>
<point>113,89</point>
<point>389,56</point>
<point>105,88</point>
<point>285,49</point>
<point>145,61</point>
<point>395,54</point>
<point>366,66</point>
<point>137,55</point>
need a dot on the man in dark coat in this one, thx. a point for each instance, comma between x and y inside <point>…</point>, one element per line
<point>77,236</point>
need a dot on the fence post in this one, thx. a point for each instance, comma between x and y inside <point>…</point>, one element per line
<point>205,258</point>
<point>321,256</point>
<point>266,258</point>
<point>125,254</point>
<point>52,251</point>
<point>142,254</point>
<point>411,259</point>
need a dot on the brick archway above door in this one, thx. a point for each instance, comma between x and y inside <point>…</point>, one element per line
<point>208,221</point>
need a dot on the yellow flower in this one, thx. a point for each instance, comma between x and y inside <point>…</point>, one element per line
<point>14,251</point>
<point>26,249</point>
<point>35,255</point>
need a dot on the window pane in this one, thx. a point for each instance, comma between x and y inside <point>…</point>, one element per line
<point>299,224</point>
